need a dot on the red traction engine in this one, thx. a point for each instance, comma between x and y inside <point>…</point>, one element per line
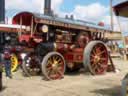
<point>53,45</point>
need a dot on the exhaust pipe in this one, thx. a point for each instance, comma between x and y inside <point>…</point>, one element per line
<point>47,8</point>
<point>2,11</point>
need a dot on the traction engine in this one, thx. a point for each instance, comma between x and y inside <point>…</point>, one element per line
<point>51,45</point>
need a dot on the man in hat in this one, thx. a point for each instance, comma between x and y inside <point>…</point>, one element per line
<point>7,61</point>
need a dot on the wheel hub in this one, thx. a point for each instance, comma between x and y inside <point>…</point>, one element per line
<point>55,65</point>
<point>96,58</point>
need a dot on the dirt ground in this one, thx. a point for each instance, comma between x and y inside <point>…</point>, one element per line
<point>77,84</point>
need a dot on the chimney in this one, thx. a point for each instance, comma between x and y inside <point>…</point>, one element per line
<point>2,20</point>
<point>47,8</point>
<point>2,11</point>
<point>66,17</point>
<point>72,17</point>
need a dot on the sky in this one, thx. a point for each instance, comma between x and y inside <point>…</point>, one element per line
<point>88,10</point>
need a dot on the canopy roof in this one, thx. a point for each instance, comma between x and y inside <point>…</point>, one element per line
<point>121,9</point>
<point>23,18</point>
<point>26,18</point>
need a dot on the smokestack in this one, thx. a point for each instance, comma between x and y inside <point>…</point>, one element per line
<point>2,20</point>
<point>47,8</point>
<point>2,11</point>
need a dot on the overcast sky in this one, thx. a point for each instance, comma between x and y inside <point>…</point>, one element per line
<point>89,10</point>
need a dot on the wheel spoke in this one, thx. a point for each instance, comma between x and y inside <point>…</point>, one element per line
<point>49,72</point>
<point>94,66</point>
<point>57,57</point>
<point>98,68</point>
<point>103,58</point>
<point>50,60</point>
<point>94,52</point>
<point>97,48</point>
<point>92,55</point>
<point>103,66</point>
<point>60,64</point>
<point>49,67</point>
<point>49,63</point>
<point>100,53</point>
<point>60,73</point>
<point>60,60</point>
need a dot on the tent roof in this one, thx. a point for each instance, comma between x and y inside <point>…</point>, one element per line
<point>121,9</point>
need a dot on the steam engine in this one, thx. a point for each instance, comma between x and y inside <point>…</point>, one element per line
<point>50,45</point>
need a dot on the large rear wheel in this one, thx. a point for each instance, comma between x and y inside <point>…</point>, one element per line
<point>96,57</point>
<point>53,66</point>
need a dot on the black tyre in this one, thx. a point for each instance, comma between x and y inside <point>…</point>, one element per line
<point>53,66</point>
<point>31,65</point>
<point>96,57</point>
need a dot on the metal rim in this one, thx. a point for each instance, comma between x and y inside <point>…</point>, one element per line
<point>53,66</point>
<point>97,56</point>
<point>31,65</point>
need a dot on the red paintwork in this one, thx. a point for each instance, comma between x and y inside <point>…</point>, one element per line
<point>24,37</point>
<point>27,37</point>
<point>101,24</point>
<point>74,56</point>
<point>26,18</point>
<point>9,30</point>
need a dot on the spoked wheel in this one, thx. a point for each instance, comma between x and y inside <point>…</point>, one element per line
<point>96,57</point>
<point>14,63</point>
<point>53,66</point>
<point>31,65</point>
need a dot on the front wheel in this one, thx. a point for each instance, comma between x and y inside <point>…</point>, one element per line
<point>31,65</point>
<point>53,66</point>
<point>96,57</point>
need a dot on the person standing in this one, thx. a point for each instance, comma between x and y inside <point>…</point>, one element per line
<point>7,61</point>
